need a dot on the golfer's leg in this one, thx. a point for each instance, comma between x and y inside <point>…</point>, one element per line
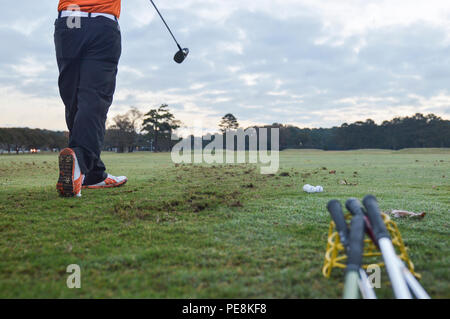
<point>98,70</point>
<point>69,74</point>
<point>95,94</point>
<point>69,45</point>
<point>97,174</point>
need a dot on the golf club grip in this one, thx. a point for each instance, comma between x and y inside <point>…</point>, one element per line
<point>356,243</point>
<point>373,212</point>
<point>354,207</point>
<point>335,209</point>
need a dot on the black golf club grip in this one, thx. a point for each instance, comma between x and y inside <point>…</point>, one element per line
<point>354,206</point>
<point>356,243</point>
<point>335,209</point>
<point>373,212</point>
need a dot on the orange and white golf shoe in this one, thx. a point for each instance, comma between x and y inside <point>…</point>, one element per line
<point>110,181</point>
<point>70,176</point>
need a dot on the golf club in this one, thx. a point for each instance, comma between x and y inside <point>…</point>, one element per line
<point>402,280</point>
<point>182,53</point>
<point>356,249</point>
<point>355,276</point>
<point>354,206</point>
<point>354,260</point>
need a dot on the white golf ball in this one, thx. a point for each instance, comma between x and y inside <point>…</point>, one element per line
<point>309,188</point>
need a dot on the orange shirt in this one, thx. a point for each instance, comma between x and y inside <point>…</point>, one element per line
<point>98,6</point>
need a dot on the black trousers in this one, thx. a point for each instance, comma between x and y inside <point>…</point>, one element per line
<point>87,58</point>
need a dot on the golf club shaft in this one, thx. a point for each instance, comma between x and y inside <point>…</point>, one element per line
<point>399,285</point>
<point>412,282</point>
<point>165,24</point>
<point>395,274</point>
<point>365,286</point>
<point>351,286</point>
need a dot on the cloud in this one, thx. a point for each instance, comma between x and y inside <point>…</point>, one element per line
<point>19,109</point>
<point>303,62</point>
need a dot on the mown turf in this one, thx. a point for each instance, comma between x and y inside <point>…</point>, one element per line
<point>211,231</point>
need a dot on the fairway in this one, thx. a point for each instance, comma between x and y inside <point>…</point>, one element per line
<point>212,231</point>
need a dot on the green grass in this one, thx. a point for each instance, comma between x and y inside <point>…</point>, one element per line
<point>211,231</point>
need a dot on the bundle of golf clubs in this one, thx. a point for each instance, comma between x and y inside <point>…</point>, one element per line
<point>369,220</point>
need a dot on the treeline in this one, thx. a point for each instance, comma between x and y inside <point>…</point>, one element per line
<point>417,131</point>
<point>134,131</point>
<point>22,139</point>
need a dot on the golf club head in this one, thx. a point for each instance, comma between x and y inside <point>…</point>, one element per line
<point>181,55</point>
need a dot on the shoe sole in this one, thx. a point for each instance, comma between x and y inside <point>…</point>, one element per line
<point>107,186</point>
<point>66,169</point>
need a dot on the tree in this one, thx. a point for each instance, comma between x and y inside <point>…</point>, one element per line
<point>123,133</point>
<point>135,117</point>
<point>158,125</point>
<point>18,138</point>
<point>228,122</point>
<point>5,139</point>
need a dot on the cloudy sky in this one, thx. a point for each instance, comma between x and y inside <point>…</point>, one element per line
<point>311,63</point>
